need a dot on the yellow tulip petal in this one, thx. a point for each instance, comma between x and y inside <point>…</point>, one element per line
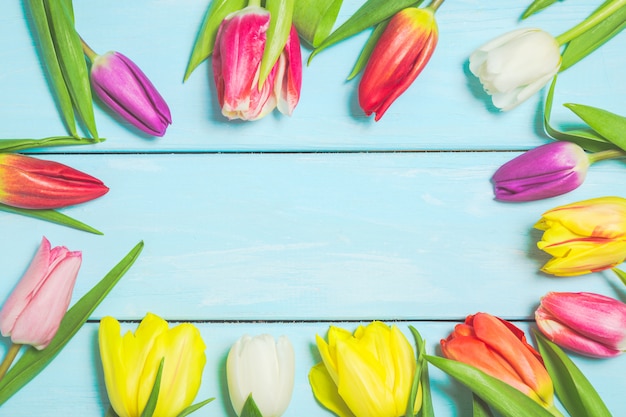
<point>325,391</point>
<point>404,368</point>
<point>585,259</point>
<point>114,368</point>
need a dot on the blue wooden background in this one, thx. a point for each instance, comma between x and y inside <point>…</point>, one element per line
<point>286,225</point>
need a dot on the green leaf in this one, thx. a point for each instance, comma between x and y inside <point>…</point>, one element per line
<point>537,6</point>
<point>205,41</point>
<point>368,48</point>
<point>52,216</point>
<point>34,361</point>
<point>281,14</point>
<point>587,139</point>
<point>611,126</point>
<point>148,410</point>
<point>620,274</point>
<point>110,413</point>
<point>53,67</point>
<point>194,407</point>
<point>15,145</point>
<point>71,58</point>
<point>584,44</point>
<point>505,399</point>
<point>250,408</point>
<point>370,14</point>
<point>480,408</point>
<point>421,376</point>
<point>314,19</point>
<point>574,390</point>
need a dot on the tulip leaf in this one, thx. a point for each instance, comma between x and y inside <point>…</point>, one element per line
<point>314,19</point>
<point>52,216</point>
<point>194,407</point>
<point>148,410</point>
<point>15,145</point>
<point>574,390</point>
<point>281,14</point>
<point>480,408</point>
<point>586,138</point>
<point>584,44</point>
<point>620,274</point>
<point>34,361</point>
<point>537,6</point>
<point>368,48</point>
<point>421,376</point>
<point>110,413</point>
<point>250,408</point>
<point>610,125</point>
<point>505,399</point>
<point>42,29</point>
<point>205,41</point>
<point>369,14</point>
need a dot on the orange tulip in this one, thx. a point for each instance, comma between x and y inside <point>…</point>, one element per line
<point>499,349</point>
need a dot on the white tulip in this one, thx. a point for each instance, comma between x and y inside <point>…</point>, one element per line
<point>516,65</point>
<point>264,368</point>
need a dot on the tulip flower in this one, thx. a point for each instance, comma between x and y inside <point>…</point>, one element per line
<point>590,324</point>
<point>546,171</point>
<point>514,66</point>
<point>264,369</point>
<point>122,86</point>
<point>499,349</point>
<point>400,55</point>
<point>130,363</point>
<point>33,312</point>
<point>368,374</point>
<point>32,183</point>
<point>237,57</point>
<point>584,237</point>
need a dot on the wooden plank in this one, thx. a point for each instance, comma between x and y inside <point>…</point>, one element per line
<point>317,236</point>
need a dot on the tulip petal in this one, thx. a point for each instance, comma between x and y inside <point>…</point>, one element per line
<point>325,391</point>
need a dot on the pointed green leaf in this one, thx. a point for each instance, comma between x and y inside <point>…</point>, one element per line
<point>281,15</point>
<point>250,408</point>
<point>148,410</point>
<point>203,46</point>
<point>505,399</point>
<point>620,274</point>
<point>368,48</point>
<point>194,407</point>
<point>421,376</point>
<point>15,145</point>
<point>370,14</point>
<point>52,216</point>
<point>49,57</point>
<point>583,45</point>
<point>314,19</point>
<point>571,386</point>
<point>72,61</point>
<point>537,6</point>
<point>480,408</point>
<point>610,125</point>
<point>34,361</point>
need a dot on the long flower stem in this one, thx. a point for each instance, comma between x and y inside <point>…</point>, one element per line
<point>590,22</point>
<point>8,359</point>
<point>608,154</point>
<point>90,53</point>
<point>434,4</point>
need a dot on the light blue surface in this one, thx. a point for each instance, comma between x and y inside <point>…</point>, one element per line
<point>241,227</point>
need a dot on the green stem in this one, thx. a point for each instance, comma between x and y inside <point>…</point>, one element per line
<point>554,411</point>
<point>608,154</point>
<point>590,22</point>
<point>90,53</point>
<point>434,5</point>
<point>254,3</point>
<point>8,359</point>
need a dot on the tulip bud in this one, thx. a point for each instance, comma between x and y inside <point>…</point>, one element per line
<point>32,183</point>
<point>123,87</point>
<point>584,237</point>
<point>401,53</point>
<point>237,56</point>
<point>264,369</point>
<point>514,66</point>
<point>586,323</point>
<point>546,171</point>
<point>33,312</point>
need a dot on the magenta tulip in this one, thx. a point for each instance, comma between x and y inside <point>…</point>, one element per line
<point>32,313</point>
<point>237,58</point>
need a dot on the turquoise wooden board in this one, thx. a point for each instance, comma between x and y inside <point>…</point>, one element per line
<point>74,380</point>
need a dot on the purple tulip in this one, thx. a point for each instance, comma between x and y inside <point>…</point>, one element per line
<point>546,171</point>
<point>33,312</point>
<point>123,87</point>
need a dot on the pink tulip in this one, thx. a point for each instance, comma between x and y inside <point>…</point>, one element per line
<point>586,323</point>
<point>237,58</point>
<point>32,313</point>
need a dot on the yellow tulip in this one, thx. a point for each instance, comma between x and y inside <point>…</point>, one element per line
<point>584,237</point>
<point>130,363</point>
<point>368,374</point>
